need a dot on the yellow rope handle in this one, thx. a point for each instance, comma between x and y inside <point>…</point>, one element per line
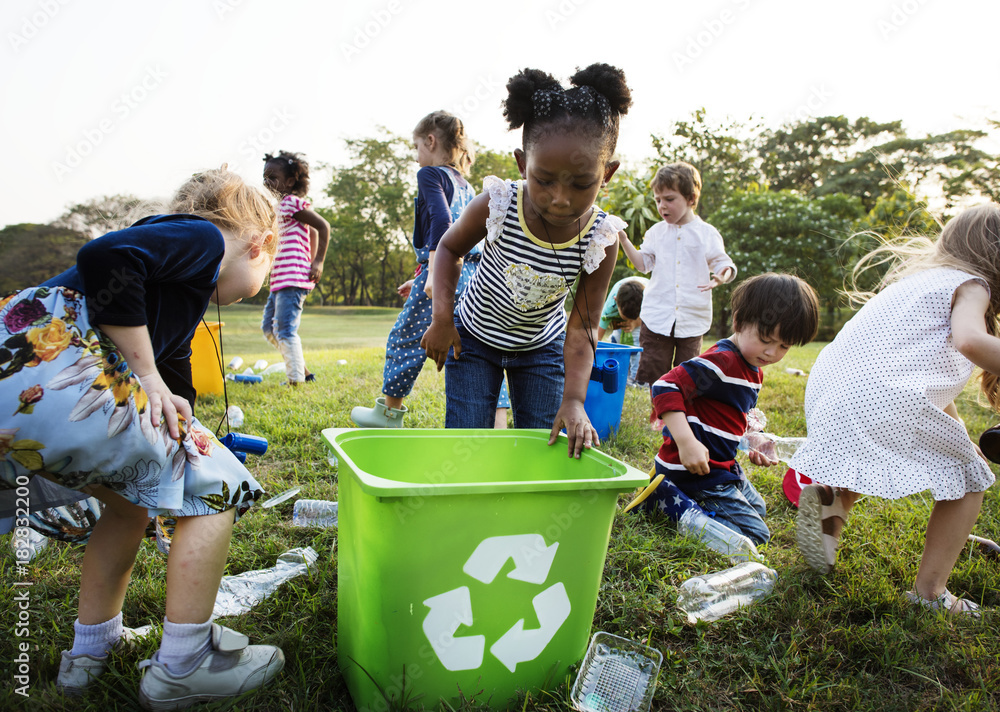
<point>650,488</point>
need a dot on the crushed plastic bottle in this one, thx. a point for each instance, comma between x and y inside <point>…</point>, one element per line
<point>235,415</point>
<point>717,594</point>
<point>274,368</point>
<point>30,546</point>
<point>238,594</point>
<point>773,446</point>
<point>795,371</point>
<point>235,363</point>
<point>342,362</point>
<point>317,513</point>
<point>697,524</point>
<point>260,365</point>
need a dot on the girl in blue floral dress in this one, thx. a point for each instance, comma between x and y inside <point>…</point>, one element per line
<point>96,380</point>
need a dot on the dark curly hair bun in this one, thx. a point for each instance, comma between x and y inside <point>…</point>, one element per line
<point>608,81</point>
<point>521,88</point>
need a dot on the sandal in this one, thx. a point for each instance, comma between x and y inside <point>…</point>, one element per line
<point>818,506</point>
<point>946,603</point>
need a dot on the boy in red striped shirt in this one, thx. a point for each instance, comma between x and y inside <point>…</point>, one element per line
<point>703,403</point>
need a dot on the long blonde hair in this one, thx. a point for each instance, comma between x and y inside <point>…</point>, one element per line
<point>450,131</point>
<point>225,199</point>
<point>969,242</point>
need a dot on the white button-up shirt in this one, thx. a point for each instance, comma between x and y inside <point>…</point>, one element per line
<point>681,258</point>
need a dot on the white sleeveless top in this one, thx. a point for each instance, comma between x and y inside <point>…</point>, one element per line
<point>875,398</point>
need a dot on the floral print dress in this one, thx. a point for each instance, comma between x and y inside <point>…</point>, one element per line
<point>75,414</point>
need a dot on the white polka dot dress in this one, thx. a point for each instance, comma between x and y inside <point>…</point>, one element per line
<point>875,398</point>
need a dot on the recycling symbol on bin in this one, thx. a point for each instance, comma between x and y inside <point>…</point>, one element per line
<point>452,609</point>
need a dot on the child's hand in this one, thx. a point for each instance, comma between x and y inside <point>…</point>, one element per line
<point>315,271</point>
<point>428,288</point>
<point>404,289</point>
<point>712,284</point>
<point>579,431</point>
<point>759,458</point>
<point>164,404</point>
<point>439,337</point>
<point>693,455</point>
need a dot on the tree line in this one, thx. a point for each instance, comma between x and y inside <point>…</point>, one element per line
<point>806,198</point>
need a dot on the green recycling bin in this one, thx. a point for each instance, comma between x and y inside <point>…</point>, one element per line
<point>469,561</point>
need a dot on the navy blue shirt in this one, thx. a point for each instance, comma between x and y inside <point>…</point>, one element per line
<point>160,272</point>
<point>435,191</point>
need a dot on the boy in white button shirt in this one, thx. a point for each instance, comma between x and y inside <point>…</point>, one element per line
<point>688,260</point>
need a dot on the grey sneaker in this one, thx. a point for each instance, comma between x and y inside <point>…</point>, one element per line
<point>230,668</point>
<point>78,671</point>
<point>381,416</point>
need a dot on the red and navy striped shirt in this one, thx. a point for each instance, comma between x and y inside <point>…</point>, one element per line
<point>715,391</point>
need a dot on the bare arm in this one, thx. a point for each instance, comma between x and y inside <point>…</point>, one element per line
<point>318,248</point>
<point>634,256</point>
<point>692,452</point>
<point>461,237</point>
<point>135,345</point>
<point>968,327</point>
<point>578,353</point>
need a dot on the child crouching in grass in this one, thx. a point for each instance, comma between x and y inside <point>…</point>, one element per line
<point>704,403</point>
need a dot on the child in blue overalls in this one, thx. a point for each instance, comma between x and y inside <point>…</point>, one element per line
<point>444,155</point>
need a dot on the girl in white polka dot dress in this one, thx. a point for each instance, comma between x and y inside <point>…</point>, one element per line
<point>880,408</point>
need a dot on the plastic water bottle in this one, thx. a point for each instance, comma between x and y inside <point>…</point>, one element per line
<point>260,365</point>
<point>241,592</point>
<point>717,594</point>
<point>698,525</point>
<point>235,415</point>
<point>773,446</point>
<point>274,368</point>
<point>235,364</point>
<point>317,513</point>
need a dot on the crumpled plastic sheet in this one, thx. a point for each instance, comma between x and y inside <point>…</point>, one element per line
<point>241,592</point>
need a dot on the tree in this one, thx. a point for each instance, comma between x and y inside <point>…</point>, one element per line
<point>768,231</point>
<point>724,155</point>
<point>33,253</point>
<point>371,218</point>
<point>492,163</point>
<point>99,216</point>
<point>832,154</point>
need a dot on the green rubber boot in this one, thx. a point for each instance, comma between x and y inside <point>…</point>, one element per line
<point>381,416</point>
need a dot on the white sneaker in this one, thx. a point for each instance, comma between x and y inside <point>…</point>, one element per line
<point>230,668</point>
<point>78,671</point>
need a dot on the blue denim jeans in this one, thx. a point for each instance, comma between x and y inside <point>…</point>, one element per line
<point>280,325</point>
<point>472,383</point>
<point>738,506</point>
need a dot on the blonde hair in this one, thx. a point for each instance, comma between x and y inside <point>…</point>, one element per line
<point>969,242</point>
<point>226,200</point>
<point>450,131</point>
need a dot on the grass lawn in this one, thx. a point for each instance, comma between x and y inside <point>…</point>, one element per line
<point>847,641</point>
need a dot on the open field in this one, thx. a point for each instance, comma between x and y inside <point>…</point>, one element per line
<point>847,641</point>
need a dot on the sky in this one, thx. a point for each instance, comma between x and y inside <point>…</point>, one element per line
<point>133,96</point>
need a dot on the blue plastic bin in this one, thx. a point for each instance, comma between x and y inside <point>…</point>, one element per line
<point>605,409</point>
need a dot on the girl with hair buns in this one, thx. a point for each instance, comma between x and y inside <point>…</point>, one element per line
<point>95,370</point>
<point>445,155</point>
<point>541,234</point>
<point>880,402</point>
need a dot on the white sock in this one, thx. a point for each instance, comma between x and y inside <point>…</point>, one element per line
<point>183,645</point>
<point>97,639</point>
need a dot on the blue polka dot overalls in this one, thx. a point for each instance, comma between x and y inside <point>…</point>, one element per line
<point>403,355</point>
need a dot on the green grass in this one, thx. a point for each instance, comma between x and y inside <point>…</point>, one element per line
<point>847,641</point>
